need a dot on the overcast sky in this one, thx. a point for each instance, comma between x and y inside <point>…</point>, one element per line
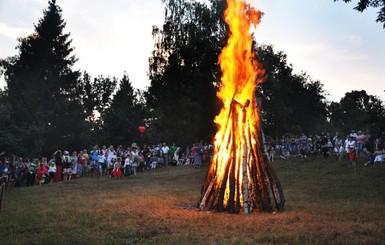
<point>328,40</point>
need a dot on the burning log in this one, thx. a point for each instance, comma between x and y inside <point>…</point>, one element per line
<point>247,181</point>
<point>240,175</point>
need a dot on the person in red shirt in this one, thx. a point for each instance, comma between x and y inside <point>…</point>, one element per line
<point>41,170</point>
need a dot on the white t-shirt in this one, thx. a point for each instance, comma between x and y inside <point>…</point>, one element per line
<point>101,158</point>
<point>165,149</point>
<point>127,161</point>
<point>351,144</point>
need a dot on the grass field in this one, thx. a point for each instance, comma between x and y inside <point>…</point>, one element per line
<point>326,203</point>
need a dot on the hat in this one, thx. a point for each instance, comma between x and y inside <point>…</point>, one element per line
<point>134,145</point>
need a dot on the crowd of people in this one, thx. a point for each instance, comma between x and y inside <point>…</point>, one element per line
<point>112,161</point>
<point>349,146</point>
<point>123,161</point>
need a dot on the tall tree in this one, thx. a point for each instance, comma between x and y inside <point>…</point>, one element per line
<point>97,96</point>
<point>126,113</point>
<point>184,70</point>
<point>184,66</point>
<point>8,140</point>
<point>362,5</point>
<point>358,111</point>
<point>291,103</point>
<point>43,89</point>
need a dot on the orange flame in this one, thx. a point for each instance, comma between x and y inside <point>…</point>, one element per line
<point>240,75</point>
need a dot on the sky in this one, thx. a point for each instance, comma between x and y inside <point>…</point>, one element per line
<point>331,42</point>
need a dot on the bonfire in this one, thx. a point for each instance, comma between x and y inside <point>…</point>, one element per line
<point>240,176</point>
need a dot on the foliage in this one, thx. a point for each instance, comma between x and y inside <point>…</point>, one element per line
<point>97,95</point>
<point>126,113</point>
<point>362,5</point>
<point>358,111</point>
<point>184,75</point>
<point>96,99</point>
<point>291,103</point>
<point>8,140</point>
<point>43,89</point>
<point>184,71</point>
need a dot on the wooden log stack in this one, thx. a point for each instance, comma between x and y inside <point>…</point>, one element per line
<point>240,176</point>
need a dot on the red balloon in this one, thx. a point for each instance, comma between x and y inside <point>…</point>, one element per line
<point>142,129</point>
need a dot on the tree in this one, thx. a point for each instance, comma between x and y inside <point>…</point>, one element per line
<point>291,103</point>
<point>126,113</point>
<point>364,4</point>
<point>184,63</point>
<point>359,111</point>
<point>43,89</point>
<point>184,70</point>
<point>97,97</point>
<point>8,140</point>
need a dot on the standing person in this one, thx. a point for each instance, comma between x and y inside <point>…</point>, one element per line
<point>353,134</point>
<point>166,150</point>
<point>67,163</point>
<point>135,158</point>
<point>59,166</point>
<point>32,172</point>
<point>147,156</point>
<point>94,155</point>
<point>159,153</point>
<point>197,151</point>
<point>19,171</point>
<point>24,171</point>
<point>41,172</point>
<point>74,161</point>
<point>360,142</point>
<point>44,161</point>
<point>172,154</point>
<point>177,153</point>
<point>86,162</point>
<point>352,151</point>
<point>52,170</point>
<point>111,153</point>
<point>82,161</point>
<point>102,163</point>
<point>117,172</point>
<point>94,160</point>
<point>128,164</point>
<point>346,148</point>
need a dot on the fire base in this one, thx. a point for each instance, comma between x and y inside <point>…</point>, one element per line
<point>240,177</point>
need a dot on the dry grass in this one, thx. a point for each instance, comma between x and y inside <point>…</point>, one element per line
<point>326,203</point>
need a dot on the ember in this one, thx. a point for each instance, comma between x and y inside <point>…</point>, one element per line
<point>240,176</point>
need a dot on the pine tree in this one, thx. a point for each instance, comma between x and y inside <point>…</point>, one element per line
<point>126,113</point>
<point>43,89</point>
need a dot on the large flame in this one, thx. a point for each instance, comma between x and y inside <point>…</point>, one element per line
<point>240,175</point>
<point>240,75</point>
<point>238,121</point>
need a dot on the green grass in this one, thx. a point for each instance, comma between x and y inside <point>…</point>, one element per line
<point>326,203</point>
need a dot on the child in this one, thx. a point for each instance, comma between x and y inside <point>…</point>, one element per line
<point>117,172</point>
<point>73,172</point>
<point>93,166</point>
<point>111,166</point>
<point>135,158</point>
<point>102,162</point>
<point>52,170</point>
<point>127,166</point>
<point>41,170</point>
<point>154,160</point>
